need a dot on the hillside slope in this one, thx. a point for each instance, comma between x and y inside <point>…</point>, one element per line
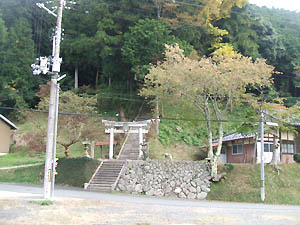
<point>242,184</point>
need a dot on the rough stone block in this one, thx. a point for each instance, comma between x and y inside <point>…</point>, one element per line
<point>192,189</point>
<point>177,190</point>
<point>181,195</point>
<point>191,196</point>
<point>201,195</point>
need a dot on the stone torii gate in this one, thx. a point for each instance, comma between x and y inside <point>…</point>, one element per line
<point>113,127</point>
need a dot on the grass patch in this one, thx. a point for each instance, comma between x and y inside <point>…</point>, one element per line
<point>243,185</point>
<point>29,175</point>
<point>71,171</point>
<point>17,160</point>
<point>179,151</point>
<point>41,202</point>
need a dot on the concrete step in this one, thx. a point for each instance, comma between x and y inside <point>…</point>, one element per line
<point>106,176</point>
<point>131,150</point>
<point>103,175</point>
<point>103,181</point>
<point>124,153</point>
<point>111,169</point>
<point>100,184</point>
<point>131,153</point>
<point>131,158</point>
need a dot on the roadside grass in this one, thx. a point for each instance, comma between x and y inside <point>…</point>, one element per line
<point>242,184</point>
<point>71,172</point>
<point>41,202</point>
<point>17,160</point>
<point>29,175</point>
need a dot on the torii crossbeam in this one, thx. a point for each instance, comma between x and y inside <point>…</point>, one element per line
<point>137,127</point>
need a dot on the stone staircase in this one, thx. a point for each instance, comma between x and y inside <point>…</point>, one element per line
<point>131,148</point>
<point>108,173</point>
<point>106,176</point>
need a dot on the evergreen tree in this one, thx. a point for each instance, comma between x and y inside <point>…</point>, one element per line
<point>18,83</point>
<point>241,33</point>
<point>145,44</point>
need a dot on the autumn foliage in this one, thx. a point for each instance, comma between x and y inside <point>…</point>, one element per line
<point>210,84</point>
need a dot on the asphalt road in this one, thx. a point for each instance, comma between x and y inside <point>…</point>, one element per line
<point>76,206</point>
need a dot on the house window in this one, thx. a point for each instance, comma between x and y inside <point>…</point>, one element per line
<point>237,149</point>
<point>288,148</point>
<point>268,147</point>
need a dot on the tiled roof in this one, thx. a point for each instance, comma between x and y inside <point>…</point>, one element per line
<point>13,126</point>
<point>234,136</point>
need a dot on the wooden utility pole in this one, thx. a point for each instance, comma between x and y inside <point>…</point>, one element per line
<point>262,161</point>
<point>52,116</point>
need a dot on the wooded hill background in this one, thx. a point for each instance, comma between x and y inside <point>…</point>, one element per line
<point>112,42</point>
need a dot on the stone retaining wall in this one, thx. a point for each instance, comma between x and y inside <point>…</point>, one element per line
<point>166,178</point>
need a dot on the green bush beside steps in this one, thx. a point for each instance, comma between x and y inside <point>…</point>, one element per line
<point>297,157</point>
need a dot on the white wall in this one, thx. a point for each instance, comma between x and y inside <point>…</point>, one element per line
<point>267,155</point>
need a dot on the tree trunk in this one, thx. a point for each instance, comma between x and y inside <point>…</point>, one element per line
<point>275,157</point>
<point>210,150</point>
<point>214,167</point>
<point>122,114</point>
<point>67,151</point>
<point>76,78</point>
<point>209,131</point>
<point>230,105</point>
<point>158,10</point>
<point>97,78</point>
<point>215,158</point>
<point>157,117</point>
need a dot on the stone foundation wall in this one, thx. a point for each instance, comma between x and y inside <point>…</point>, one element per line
<point>166,178</point>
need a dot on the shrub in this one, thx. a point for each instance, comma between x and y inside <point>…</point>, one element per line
<point>229,166</point>
<point>75,171</point>
<point>297,157</point>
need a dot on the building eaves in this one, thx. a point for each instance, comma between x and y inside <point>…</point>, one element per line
<point>234,136</point>
<point>11,124</point>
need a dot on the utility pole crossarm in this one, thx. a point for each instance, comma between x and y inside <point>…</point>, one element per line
<point>42,6</point>
<point>56,59</point>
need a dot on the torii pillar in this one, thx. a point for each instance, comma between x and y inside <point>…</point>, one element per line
<point>135,128</point>
<point>111,143</point>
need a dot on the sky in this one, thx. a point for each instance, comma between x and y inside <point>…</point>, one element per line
<point>293,5</point>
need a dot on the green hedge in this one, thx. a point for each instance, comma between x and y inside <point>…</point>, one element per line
<point>297,157</point>
<point>75,171</point>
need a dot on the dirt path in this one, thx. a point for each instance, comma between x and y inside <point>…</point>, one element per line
<point>73,206</point>
<point>21,166</point>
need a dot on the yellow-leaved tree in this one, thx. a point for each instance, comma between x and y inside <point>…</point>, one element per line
<point>210,84</point>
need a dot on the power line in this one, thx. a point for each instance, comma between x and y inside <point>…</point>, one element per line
<point>200,6</point>
<point>128,116</point>
<point>286,76</point>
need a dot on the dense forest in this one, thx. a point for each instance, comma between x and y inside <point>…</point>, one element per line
<point>110,44</point>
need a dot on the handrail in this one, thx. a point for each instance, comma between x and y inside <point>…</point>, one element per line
<point>93,175</point>
<point>123,145</point>
<point>118,178</point>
